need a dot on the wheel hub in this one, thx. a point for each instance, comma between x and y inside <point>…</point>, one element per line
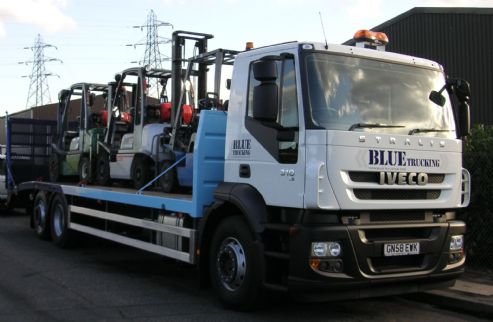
<point>231,264</point>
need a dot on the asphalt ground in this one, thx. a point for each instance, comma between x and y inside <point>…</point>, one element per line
<point>102,281</point>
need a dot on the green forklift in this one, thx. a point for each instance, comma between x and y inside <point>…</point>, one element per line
<point>81,123</point>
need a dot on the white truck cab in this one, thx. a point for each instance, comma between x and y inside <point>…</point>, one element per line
<point>355,130</point>
<point>356,153</point>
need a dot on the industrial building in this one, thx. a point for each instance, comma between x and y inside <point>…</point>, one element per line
<point>460,39</point>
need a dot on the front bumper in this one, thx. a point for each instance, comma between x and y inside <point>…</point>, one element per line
<point>365,270</point>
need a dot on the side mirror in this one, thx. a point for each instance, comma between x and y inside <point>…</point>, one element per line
<point>265,70</point>
<point>437,97</point>
<point>464,119</point>
<point>265,95</point>
<point>462,91</point>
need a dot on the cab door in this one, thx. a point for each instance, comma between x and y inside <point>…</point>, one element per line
<point>275,164</point>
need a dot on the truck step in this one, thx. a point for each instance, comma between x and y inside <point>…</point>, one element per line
<point>277,255</point>
<point>275,287</point>
<point>278,227</point>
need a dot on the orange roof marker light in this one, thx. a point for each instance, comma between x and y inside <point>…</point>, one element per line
<point>371,39</point>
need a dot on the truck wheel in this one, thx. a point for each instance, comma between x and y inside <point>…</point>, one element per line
<point>168,181</point>
<point>140,172</point>
<point>40,216</point>
<point>6,205</point>
<point>61,235</point>
<point>235,265</point>
<point>103,169</point>
<point>54,167</point>
<point>84,169</point>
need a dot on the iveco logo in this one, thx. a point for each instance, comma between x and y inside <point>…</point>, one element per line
<point>403,178</point>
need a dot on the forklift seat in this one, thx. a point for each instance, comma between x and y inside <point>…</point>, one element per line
<point>67,138</point>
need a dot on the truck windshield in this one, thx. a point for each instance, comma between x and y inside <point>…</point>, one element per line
<point>357,94</point>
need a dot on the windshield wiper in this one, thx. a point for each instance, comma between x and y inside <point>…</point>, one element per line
<point>371,125</point>
<point>413,131</point>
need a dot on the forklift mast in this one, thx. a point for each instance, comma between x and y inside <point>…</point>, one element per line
<point>62,117</point>
<point>203,59</point>
<point>179,41</point>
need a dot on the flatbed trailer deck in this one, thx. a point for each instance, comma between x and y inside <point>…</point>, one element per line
<point>95,209</point>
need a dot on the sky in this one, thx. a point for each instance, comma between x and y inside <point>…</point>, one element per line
<point>92,39</point>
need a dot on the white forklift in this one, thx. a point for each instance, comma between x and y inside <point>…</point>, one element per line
<point>136,121</point>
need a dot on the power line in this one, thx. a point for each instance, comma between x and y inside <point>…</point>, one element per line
<point>152,56</point>
<point>39,91</point>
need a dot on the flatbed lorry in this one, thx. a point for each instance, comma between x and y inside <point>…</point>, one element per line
<point>335,173</point>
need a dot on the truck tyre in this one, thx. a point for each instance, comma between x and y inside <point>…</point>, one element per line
<point>6,205</point>
<point>85,169</point>
<point>235,265</point>
<point>40,216</point>
<point>54,167</point>
<point>168,181</point>
<point>103,169</point>
<point>140,172</point>
<point>61,235</point>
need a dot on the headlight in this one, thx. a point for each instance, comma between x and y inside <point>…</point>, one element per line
<point>457,242</point>
<point>326,249</point>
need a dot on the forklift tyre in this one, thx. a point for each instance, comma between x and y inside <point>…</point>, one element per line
<point>103,169</point>
<point>141,173</point>
<point>168,181</point>
<point>85,169</point>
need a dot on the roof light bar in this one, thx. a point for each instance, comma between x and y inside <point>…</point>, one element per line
<point>371,39</point>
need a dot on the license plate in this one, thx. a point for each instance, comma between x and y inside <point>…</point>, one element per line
<point>400,249</point>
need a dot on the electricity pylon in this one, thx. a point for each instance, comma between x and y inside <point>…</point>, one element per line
<point>39,91</point>
<point>152,56</point>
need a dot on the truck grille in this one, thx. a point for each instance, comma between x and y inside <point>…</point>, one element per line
<point>369,242</point>
<point>399,194</point>
<point>397,216</point>
<point>374,177</point>
<point>377,234</point>
<point>397,263</point>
